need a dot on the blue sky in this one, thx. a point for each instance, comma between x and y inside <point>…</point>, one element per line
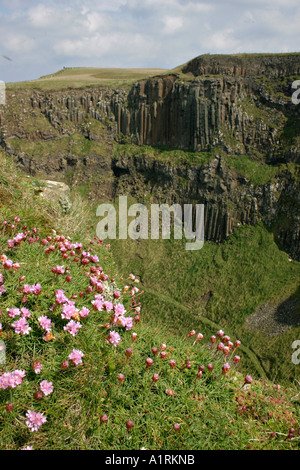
<point>41,37</point>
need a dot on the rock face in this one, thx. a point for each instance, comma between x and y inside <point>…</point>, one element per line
<point>56,191</point>
<point>244,65</point>
<point>222,105</point>
<point>229,200</point>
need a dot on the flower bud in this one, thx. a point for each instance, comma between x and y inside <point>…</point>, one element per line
<point>104,419</point>
<point>121,378</point>
<point>9,407</point>
<point>149,362</point>
<point>129,424</point>
<point>128,352</point>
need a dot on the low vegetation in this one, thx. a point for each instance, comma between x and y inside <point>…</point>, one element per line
<point>86,367</point>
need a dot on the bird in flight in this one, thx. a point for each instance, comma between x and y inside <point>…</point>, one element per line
<point>7,58</point>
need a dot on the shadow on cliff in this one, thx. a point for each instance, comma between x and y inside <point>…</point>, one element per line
<point>287,312</point>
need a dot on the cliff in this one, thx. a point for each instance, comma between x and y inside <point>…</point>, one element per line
<point>218,106</point>
<point>235,104</point>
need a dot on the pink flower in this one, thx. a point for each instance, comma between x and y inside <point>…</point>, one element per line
<point>12,379</point>
<point>108,306</point>
<point>119,309</point>
<point>93,281</point>
<point>128,323</point>
<point>21,326</point>
<point>78,246</point>
<point>69,310</point>
<point>248,379</point>
<point>25,313</point>
<point>6,380</point>
<point>60,297</point>
<point>84,312</point>
<point>37,366</point>
<point>36,289</point>
<point>97,304</point>
<point>18,376</point>
<point>35,420</point>
<point>13,312</point>
<point>7,264</point>
<point>72,327</point>
<point>114,338</point>
<point>10,243</point>
<point>46,387</point>
<point>45,323</point>
<point>76,357</point>
<point>27,289</point>
<point>99,287</point>
<point>59,270</point>
<point>121,321</point>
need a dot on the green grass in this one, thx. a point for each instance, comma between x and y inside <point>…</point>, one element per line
<point>209,409</point>
<point>214,412</point>
<point>76,144</point>
<point>164,154</point>
<point>241,274</point>
<point>255,170</point>
<point>82,77</point>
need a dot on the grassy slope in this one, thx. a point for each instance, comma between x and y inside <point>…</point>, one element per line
<point>79,77</point>
<point>255,288</point>
<point>240,274</point>
<point>243,273</point>
<point>214,412</point>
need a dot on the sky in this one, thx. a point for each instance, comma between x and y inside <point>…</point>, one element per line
<point>40,37</point>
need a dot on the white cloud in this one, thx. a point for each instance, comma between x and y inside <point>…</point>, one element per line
<point>41,16</point>
<point>95,21</point>
<point>19,43</point>
<point>172,24</point>
<point>42,35</point>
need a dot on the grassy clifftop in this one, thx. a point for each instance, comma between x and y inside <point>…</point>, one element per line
<point>81,77</point>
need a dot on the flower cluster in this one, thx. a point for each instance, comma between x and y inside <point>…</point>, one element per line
<point>35,420</point>
<point>57,310</point>
<point>12,379</point>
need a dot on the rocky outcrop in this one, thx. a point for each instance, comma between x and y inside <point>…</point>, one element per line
<point>56,191</point>
<point>217,104</point>
<point>229,200</point>
<point>232,111</point>
<point>273,66</point>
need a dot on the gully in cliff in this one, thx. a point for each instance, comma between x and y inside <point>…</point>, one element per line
<point>188,221</point>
